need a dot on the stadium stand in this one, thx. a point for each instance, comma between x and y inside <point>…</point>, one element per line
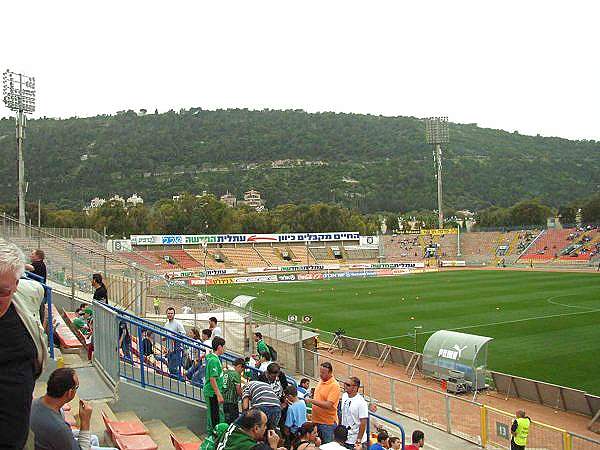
<point>243,257</point>
<point>548,246</point>
<point>361,254</point>
<point>324,255</point>
<point>300,254</point>
<point>211,262</point>
<point>479,247</point>
<point>402,247</point>
<point>272,255</point>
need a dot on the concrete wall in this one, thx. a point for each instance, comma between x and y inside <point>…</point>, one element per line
<point>150,404</point>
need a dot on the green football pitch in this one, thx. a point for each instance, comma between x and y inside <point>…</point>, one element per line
<point>545,325</point>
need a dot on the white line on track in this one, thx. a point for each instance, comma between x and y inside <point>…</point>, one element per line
<point>549,316</point>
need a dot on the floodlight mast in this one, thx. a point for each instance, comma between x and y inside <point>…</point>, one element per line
<point>18,93</point>
<point>436,134</point>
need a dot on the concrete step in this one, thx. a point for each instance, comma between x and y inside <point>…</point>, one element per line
<point>127,416</point>
<point>160,433</point>
<point>185,434</point>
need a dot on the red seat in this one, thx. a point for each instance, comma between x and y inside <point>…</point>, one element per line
<point>131,428</point>
<point>135,442</point>
<point>178,445</point>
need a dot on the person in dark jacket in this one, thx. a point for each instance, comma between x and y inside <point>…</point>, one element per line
<point>100,293</point>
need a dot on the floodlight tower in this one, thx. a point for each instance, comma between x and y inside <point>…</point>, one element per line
<point>18,93</point>
<point>436,134</point>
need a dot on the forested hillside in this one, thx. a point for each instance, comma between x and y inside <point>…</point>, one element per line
<point>371,162</point>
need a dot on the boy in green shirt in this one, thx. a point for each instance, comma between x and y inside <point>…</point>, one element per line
<point>214,385</point>
<point>232,390</point>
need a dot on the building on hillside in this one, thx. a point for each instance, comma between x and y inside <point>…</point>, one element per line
<point>117,198</point>
<point>253,200</point>
<point>135,200</point>
<point>97,202</point>
<point>229,199</point>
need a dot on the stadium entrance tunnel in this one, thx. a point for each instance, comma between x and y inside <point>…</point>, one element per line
<point>460,359</point>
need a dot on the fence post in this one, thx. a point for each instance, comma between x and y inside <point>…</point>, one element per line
<point>370,385</point>
<point>418,404</point>
<point>448,416</point>
<point>141,352</point>
<point>72,272</point>
<point>393,394</point>
<point>567,441</point>
<point>483,414</point>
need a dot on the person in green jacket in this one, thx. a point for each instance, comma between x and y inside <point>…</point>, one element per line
<point>248,433</point>
<point>210,443</point>
<point>261,346</point>
<point>213,385</point>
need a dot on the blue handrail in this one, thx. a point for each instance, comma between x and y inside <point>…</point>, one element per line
<point>390,421</point>
<point>47,301</point>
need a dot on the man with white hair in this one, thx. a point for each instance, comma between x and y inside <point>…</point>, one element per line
<point>23,350</point>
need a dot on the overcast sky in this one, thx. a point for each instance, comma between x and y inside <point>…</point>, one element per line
<point>531,66</point>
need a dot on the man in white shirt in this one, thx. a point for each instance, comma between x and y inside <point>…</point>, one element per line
<point>216,330</point>
<point>174,354</point>
<point>355,414</point>
<point>340,436</point>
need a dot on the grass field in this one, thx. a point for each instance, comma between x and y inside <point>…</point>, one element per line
<point>545,326</point>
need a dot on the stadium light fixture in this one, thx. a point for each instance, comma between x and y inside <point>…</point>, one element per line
<point>18,94</point>
<point>436,134</point>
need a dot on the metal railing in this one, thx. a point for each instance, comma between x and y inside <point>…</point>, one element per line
<point>389,422</point>
<point>47,301</point>
<point>145,353</point>
<point>469,420</point>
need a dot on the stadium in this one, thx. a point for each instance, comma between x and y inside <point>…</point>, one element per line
<point>254,234</point>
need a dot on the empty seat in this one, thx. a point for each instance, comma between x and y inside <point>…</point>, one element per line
<point>128,428</point>
<point>135,442</point>
<point>178,445</point>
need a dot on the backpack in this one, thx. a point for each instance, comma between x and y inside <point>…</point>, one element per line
<point>272,352</point>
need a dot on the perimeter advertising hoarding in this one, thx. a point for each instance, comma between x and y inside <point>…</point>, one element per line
<point>314,268</point>
<point>401,265</point>
<point>199,273</point>
<point>186,239</point>
<point>454,263</point>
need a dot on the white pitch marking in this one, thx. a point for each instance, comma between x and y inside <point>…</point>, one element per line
<point>587,311</point>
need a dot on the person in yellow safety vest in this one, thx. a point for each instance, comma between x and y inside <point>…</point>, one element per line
<point>156,303</point>
<point>520,431</point>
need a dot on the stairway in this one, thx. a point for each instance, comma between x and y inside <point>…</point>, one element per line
<point>157,430</point>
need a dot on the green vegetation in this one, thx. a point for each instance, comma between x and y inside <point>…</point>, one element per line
<point>371,163</point>
<point>558,344</point>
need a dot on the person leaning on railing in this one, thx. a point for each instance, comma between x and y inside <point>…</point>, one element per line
<point>23,350</point>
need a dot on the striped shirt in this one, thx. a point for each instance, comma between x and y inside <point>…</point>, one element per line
<point>260,394</point>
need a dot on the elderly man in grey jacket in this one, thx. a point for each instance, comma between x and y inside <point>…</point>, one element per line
<point>23,351</point>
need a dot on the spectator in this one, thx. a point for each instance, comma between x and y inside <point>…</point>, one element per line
<point>125,340</point>
<point>37,266</point>
<point>47,422</point>
<point>261,345</point>
<point>147,344</point>
<point>340,436</point>
<point>100,293</point>
<point>382,441</point>
<point>355,414</point>
<point>325,402</point>
<point>214,385</point>
<point>174,351</point>
<point>23,350</point>
<point>274,376</point>
<point>232,390</point>
<point>212,324</point>
<point>303,387</point>
<point>210,443</point>
<point>308,438</point>
<point>81,309</point>
<point>418,440</point>
<point>263,362</point>
<point>296,411</point>
<point>248,433</point>
<point>395,443</point>
<point>258,394</point>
